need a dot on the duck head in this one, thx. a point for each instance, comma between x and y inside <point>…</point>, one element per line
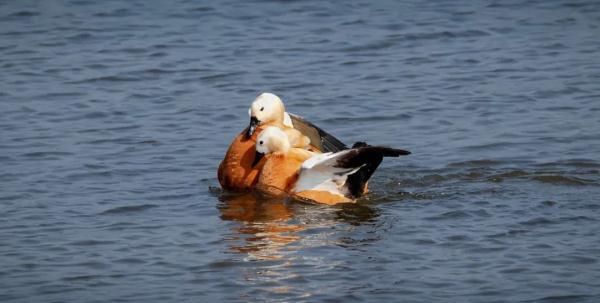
<point>266,108</point>
<point>271,140</point>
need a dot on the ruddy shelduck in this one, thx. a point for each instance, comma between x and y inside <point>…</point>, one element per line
<point>236,172</point>
<point>328,178</point>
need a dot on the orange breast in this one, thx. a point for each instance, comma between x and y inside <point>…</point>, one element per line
<point>235,171</point>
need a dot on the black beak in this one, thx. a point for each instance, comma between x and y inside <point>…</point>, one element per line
<point>257,157</point>
<point>252,127</point>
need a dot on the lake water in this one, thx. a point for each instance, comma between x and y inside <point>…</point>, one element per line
<point>114,116</point>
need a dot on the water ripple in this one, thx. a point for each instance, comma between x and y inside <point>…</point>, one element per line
<point>115,116</point>
<point>128,209</point>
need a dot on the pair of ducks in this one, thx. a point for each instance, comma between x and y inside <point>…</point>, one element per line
<point>283,154</point>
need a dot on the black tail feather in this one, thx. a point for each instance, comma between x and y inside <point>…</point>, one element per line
<point>386,151</point>
<point>392,152</point>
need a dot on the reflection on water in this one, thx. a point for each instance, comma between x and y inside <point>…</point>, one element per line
<point>265,227</point>
<point>277,238</point>
<point>269,224</point>
<point>112,111</point>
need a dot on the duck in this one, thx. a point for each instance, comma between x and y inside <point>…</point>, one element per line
<point>327,178</point>
<point>236,172</point>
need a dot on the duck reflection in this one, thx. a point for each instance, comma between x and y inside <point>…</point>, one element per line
<point>271,230</point>
<point>268,224</point>
<point>266,227</point>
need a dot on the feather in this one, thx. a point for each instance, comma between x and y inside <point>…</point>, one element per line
<point>318,137</point>
<point>345,172</point>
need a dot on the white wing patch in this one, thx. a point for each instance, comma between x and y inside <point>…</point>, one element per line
<point>319,173</point>
<point>316,159</point>
<point>287,120</point>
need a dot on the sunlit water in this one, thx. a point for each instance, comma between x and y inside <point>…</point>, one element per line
<point>115,114</point>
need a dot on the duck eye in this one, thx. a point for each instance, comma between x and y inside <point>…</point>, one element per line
<point>260,142</point>
<point>262,108</point>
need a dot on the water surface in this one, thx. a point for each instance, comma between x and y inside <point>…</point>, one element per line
<point>115,114</point>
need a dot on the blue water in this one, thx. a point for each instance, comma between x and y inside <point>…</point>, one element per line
<point>114,116</point>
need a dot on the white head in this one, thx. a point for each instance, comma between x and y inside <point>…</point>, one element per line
<point>266,108</point>
<point>271,140</point>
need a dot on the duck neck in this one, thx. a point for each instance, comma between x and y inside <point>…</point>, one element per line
<point>283,146</point>
<point>280,114</point>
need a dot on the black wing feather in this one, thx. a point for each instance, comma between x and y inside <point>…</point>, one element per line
<point>318,137</point>
<point>362,155</point>
<point>369,157</point>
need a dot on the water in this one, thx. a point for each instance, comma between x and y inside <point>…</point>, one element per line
<point>115,114</point>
